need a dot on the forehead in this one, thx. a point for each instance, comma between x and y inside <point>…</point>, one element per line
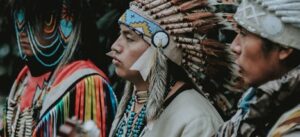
<point>124,27</point>
<point>127,30</point>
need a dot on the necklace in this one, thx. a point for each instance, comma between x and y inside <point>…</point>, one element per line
<point>141,96</point>
<point>133,121</point>
<point>21,122</point>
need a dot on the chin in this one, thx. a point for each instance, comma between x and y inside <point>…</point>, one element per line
<point>28,53</point>
<point>252,83</point>
<point>120,73</point>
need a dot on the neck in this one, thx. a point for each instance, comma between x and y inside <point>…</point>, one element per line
<point>175,88</point>
<point>141,85</point>
<point>281,71</point>
<point>36,69</point>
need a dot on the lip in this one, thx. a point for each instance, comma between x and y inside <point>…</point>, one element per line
<point>25,45</point>
<point>115,60</point>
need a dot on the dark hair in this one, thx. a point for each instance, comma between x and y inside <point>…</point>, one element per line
<point>291,61</point>
<point>85,39</point>
<point>269,46</point>
<point>177,73</point>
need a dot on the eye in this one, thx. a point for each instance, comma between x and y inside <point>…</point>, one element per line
<point>129,39</point>
<point>243,32</point>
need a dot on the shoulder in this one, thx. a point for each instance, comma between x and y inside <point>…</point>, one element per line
<point>77,77</point>
<point>18,81</point>
<point>94,78</point>
<point>199,126</point>
<point>192,101</point>
<point>190,104</point>
<point>188,115</point>
<point>78,70</point>
<point>288,124</point>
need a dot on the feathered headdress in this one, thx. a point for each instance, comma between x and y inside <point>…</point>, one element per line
<point>275,20</point>
<point>189,33</point>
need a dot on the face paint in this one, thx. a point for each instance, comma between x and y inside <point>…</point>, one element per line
<point>46,41</point>
<point>19,27</point>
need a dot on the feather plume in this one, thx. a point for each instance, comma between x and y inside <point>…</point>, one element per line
<point>158,82</point>
<point>192,4</point>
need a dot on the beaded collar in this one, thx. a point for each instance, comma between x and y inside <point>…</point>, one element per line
<point>141,96</point>
<point>133,122</point>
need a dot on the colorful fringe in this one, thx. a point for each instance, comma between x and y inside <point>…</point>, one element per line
<point>93,99</point>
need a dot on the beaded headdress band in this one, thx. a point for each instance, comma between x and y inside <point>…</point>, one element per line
<point>276,20</point>
<point>188,32</point>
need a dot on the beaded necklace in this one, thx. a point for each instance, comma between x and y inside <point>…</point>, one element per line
<point>21,122</point>
<point>134,122</point>
<point>141,96</point>
<point>133,128</point>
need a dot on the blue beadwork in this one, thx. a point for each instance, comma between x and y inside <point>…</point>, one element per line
<point>139,23</point>
<point>132,129</point>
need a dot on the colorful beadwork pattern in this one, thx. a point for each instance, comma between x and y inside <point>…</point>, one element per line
<point>139,23</point>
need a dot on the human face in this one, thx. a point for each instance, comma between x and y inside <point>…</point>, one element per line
<point>25,42</point>
<point>256,66</point>
<point>44,37</point>
<point>25,45</point>
<point>127,49</point>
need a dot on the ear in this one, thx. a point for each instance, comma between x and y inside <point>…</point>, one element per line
<point>284,53</point>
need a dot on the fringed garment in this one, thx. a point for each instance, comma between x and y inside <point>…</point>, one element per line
<point>80,89</point>
<point>288,125</point>
<point>260,108</point>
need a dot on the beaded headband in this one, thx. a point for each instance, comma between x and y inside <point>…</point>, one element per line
<point>145,27</point>
<point>139,23</point>
<point>276,20</point>
<point>188,32</point>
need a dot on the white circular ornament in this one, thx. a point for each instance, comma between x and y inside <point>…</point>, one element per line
<point>160,39</point>
<point>272,25</point>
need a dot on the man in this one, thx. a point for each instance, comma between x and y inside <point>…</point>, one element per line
<point>59,81</point>
<point>267,50</point>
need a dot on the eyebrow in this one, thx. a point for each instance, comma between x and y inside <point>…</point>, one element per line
<point>126,32</point>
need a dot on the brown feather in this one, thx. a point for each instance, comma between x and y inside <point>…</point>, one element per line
<point>198,15</point>
<point>213,44</point>
<point>192,4</point>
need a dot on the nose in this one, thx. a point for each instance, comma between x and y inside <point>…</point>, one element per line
<point>23,34</point>
<point>236,45</point>
<point>117,47</point>
<point>23,37</point>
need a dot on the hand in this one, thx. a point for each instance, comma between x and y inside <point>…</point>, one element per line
<point>76,128</point>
